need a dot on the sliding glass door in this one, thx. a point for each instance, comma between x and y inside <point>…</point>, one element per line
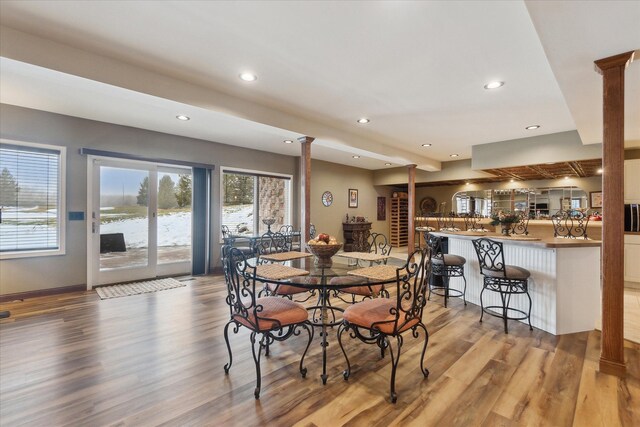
<point>140,221</point>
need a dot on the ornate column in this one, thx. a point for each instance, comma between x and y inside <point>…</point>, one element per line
<point>412,208</point>
<point>305,187</point>
<point>612,351</point>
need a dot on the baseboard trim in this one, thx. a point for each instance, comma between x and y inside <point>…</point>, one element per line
<point>41,293</point>
<point>611,367</point>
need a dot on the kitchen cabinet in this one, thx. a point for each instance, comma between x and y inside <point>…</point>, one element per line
<point>631,257</point>
<point>632,181</point>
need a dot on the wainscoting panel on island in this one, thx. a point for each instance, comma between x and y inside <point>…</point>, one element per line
<point>564,284</point>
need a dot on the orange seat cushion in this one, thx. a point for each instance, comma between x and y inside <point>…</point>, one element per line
<point>366,291</point>
<point>366,313</point>
<point>289,289</point>
<point>274,310</point>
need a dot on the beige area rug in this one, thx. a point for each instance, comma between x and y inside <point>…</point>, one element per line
<point>136,288</point>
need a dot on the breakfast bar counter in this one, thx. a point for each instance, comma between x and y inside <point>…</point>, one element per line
<point>564,283</point>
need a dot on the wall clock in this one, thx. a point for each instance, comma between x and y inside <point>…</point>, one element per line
<point>327,198</point>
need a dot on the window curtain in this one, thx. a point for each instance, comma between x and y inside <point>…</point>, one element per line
<point>200,220</point>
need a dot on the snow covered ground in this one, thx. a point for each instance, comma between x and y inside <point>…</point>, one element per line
<point>173,229</point>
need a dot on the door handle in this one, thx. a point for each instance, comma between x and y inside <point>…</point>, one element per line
<point>93,227</point>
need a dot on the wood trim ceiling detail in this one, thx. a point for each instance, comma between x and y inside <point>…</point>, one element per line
<point>573,169</point>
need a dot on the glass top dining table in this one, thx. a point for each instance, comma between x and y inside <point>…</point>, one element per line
<point>319,280</point>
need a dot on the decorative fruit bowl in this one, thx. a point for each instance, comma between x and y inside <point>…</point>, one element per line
<point>323,247</point>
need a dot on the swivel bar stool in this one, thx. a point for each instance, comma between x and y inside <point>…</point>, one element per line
<point>446,266</point>
<point>505,279</point>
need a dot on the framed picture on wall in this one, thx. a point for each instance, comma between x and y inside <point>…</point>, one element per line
<point>382,208</point>
<point>596,199</point>
<point>353,198</point>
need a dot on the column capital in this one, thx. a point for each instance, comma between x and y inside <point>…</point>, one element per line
<point>621,60</point>
<point>307,139</point>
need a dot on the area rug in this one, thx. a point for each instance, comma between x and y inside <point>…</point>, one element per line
<point>136,288</point>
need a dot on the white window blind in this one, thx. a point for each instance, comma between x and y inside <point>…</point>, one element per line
<point>31,198</point>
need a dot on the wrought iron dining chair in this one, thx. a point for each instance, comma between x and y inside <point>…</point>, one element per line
<point>570,224</point>
<point>522,226</point>
<point>269,318</point>
<point>445,266</point>
<point>507,280</point>
<point>273,243</point>
<point>294,237</point>
<point>230,239</point>
<point>378,244</point>
<point>376,321</point>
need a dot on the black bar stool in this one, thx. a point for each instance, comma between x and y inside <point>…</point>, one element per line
<point>505,279</point>
<point>445,266</point>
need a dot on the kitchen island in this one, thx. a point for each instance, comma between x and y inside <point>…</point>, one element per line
<point>564,283</point>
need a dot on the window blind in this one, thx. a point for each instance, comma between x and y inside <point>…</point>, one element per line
<point>29,198</point>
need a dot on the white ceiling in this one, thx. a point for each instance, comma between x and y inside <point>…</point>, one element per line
<point>417,69</point>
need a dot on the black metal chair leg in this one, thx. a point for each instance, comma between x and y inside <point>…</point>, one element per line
<point>226,340</point>
<point>446,290</point>
<point>309,328</point>
<point>481,304</point>
<point>424,370</point>
<point>529,315</point>
<point>504,311</point>
<point>395,358</point>
<point>256,359</point>
<point>346,372</point>
<point>464,292</point>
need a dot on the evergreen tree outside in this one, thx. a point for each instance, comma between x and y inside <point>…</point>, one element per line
<point>183,192</point>
<point>143,192</point>
<point>166,193</point>
<point>238,189</point>
<point>8,189</point>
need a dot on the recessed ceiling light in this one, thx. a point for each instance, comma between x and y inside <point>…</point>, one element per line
<point>493,85</point>
<point>363,121</point>
<point>454,155</point>
<point>356,157</point>
<point>467,183</point>
<point>288,141</point>
<point>566,177</point>
<point>387,164</point>
<point>183,117</point>
<point>512,180</point>
<point>532,127</point>
<point>599,170</point>
<point>248,77</point>
<point>426,145</point>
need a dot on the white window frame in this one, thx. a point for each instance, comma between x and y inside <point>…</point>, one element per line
<point>231,169</point>
<point>62,205</point>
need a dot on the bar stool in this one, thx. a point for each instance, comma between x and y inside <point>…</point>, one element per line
<point>446,266</point>
<point>505,279</point>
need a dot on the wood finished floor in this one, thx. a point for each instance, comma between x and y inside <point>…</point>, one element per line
<point>157,359</point>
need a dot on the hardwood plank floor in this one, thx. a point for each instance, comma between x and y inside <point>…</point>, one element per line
<point>157,359</point>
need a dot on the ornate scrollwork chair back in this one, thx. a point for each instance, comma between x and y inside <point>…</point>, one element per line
<point>379,245</point>
<point>376,321</point>
<point>570,224</point>
<point>472,222</point>
<point>490,256</point>
<point>269,318</point>
<point>272,243</point>
<point>522,226</point>
<point>445,266</point>
<point>507,280</point>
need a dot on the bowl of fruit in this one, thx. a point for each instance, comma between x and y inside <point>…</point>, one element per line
<point>323,247</point>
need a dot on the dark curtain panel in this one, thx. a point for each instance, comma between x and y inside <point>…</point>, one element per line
<point>200,221</point>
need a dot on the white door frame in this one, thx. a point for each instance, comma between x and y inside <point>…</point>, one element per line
<point>94,275</point>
